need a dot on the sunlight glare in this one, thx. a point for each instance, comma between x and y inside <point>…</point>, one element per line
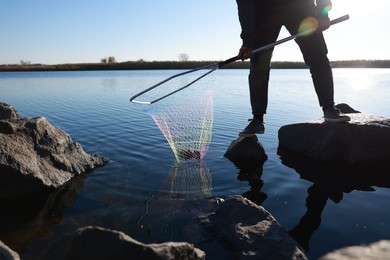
<point>358,81</point>
<point>308,25</point>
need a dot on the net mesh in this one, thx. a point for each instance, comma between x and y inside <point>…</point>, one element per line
<point>186,117</point>
<point>188,126</point>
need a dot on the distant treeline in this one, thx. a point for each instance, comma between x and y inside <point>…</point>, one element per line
<point>169,65</point>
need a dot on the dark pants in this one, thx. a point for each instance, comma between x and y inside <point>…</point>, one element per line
<point>313,47</point>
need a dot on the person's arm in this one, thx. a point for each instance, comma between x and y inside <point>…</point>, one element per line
<point>246,15</point>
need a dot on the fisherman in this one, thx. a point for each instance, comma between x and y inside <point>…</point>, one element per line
<point>261,22</point>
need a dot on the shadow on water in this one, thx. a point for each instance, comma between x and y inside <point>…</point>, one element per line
<point>29,218</point>
<point>329,181</point>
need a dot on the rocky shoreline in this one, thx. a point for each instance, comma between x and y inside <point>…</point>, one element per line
<point>38,159</point>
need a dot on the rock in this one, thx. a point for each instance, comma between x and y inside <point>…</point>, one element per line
<point>248,231</point>
<point>99,243</point>
<point>8,112</point>
<point>35,155</point>
<point>377,250</point>
<point>7,253</point>
<point>364,140</point>
<point>246,149</point>
<point>346,109</point>
<point>7,127</point>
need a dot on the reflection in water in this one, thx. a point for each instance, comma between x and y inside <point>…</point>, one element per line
<point>315,204</point>
<point>329,182</point>
<point>188,180</point>
<point>256,184</point>
<point>184,197</point>
<point>248,156</point>
<point>25,220</point>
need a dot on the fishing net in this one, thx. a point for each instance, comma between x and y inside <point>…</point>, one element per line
<point>186,118</point>
<point>188,126</point>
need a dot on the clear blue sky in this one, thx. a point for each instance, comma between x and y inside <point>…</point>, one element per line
<point>72,31</point>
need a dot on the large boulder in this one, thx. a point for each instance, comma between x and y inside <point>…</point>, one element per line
<point>365,140</point>
<point>99,243</point>
<point>35,156</point>
<point>248,231</point>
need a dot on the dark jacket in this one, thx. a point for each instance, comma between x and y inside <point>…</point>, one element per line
<point>247,12</point>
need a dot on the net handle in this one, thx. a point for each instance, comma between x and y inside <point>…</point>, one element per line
<point>214,66</point>
<point>211,68</point>
<point>289,38</point>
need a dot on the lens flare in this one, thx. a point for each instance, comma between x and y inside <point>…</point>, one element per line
<point>308,25</point>
<point>326,9</point>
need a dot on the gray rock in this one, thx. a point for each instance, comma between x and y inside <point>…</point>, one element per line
<point>364,140</point>
<point>7,253</point>
<point>248,231</point>
<point>374,251</point>
<point>35,155</point>
<point>99,243</point>
<point>8,112</point>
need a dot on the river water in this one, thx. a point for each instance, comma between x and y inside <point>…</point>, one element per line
<point>147,194</point>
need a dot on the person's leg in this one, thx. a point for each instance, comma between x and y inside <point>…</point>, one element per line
<point>267,31</point>
<point>258,82</point>
<point>314,51</point>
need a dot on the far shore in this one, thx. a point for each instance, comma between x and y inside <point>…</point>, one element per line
<point>161,65</point>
